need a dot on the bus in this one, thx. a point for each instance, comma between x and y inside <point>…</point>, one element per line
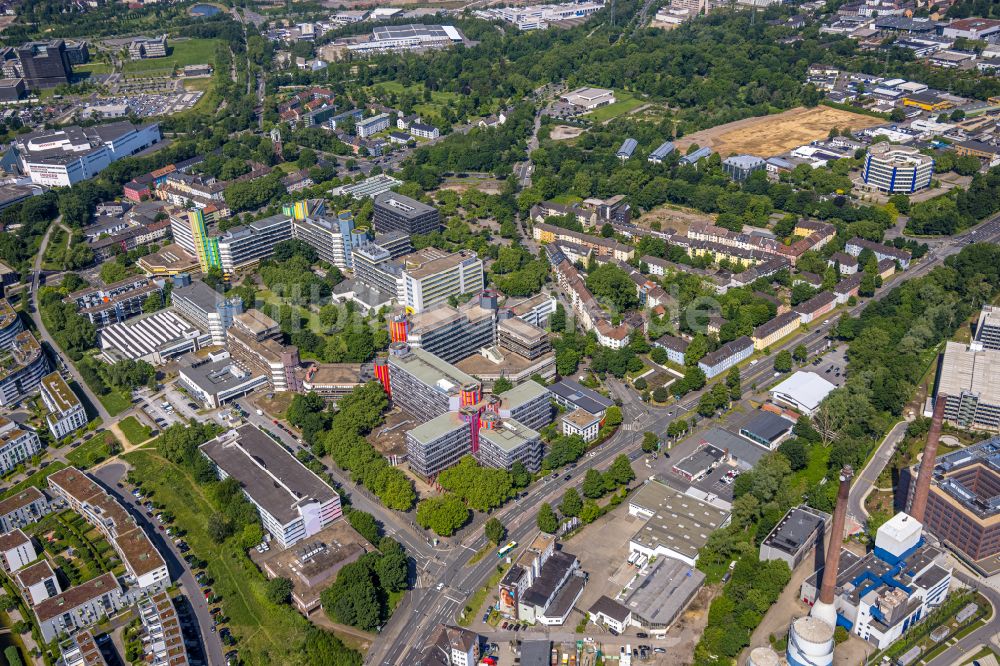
<point>503,552</point>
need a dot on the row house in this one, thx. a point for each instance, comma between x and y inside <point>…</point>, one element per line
<point>730,354</point>
<point>817,306</point>
<point>771,331</point>
<point>855,246</point>
<point>847,288</point>
<point>589,312</point>
<point>602,247</point>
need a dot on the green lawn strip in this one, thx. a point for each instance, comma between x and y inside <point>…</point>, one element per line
<point>180,53</point>
<point>266,632</point>
<point>89,453</point>
<point>625,103</point>
<point>114,402</point>
<point>477,599</point>
<point>37,479</point>
<point>135,432</point>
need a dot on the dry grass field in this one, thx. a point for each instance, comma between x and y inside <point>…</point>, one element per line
<point>563,132</point>
<point>766,136</point>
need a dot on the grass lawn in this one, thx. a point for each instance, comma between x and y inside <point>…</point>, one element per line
<point>267,633</point>
<point>37,479</point>
<point>625,102</point>
<point>180,53</point>
<point>135,432</point>
<point>92,68</point>
<point>438,98</point>
<point>566,199</point>
<point>90,453</point>
<point>115,402</point>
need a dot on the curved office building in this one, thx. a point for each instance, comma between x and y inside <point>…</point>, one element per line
<point>10,324</point>
<point>897,169</point>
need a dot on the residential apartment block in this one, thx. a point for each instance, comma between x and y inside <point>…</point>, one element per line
<point>22,367</point>
<point>16,551</point>
<point>292,501</point>
<point>144,565</point>
<point>66,414</point>
<point>716,362</point>
<point>23,508</point>
<point>17,444</point>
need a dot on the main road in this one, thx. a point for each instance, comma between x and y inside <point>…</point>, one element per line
<point>43,333</point>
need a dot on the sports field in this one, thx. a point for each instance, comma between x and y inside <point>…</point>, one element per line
<point>766,136</point>
<point>179,54</point>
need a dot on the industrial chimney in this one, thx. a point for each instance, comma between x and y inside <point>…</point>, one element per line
<point>919,504</point>
<point>824,609</point>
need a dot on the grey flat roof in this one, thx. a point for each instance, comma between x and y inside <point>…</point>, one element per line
<point>200,294</point>
<point>581,396</point>
<point>703,458</point>
<point>522,393</point>
<point>663,593</point>
<point>268,473</point>
<point>767,425</point>
<point>737,447</point>
<point>795,529</point>
<point>679,522</point>
<point>536,653</point>
<point>428,431</point>
<point>403,205</point>
<point>216,376</point>
<point>431,370</point>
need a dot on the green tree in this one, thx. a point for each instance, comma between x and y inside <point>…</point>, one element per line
<point>734,384</point>
<point>557,320</point>
<point>650,442</point>
<point>278,590</point>
<point>444,515</point>
<point>620,473</point>
<point>547,520</point>
<point>800,353</point>
<point>364,524</point>
<point>593,484</point>
<point>783,361</point>
<point>495,531</point>
<point>660,394</point>
<point>502,384</point>
<point>520,477</point>
<point>613,416</point>
<point>696,350</point>
<point>571,503</point>
<point>353,599</point>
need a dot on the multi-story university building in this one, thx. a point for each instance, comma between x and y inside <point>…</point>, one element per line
<point>431,276</point>
<point>425,385</point>
<point>245,246</point>
<point>293,502</point>
<point>66,414</point>
<point>967,382</point>
<point>144,566</point>
<point>205,308</point>
<point>395,212</point>
<point>253,341</point>
<point>22,366</point>
<point>17,444</point>
<point>333,239</point>
<point>44,64</point>
<point>66,156</point>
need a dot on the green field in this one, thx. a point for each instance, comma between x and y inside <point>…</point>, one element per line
<point>438,98</point>
<point>92,452</point>
<point>92,68</point>
<point>114,402</point>
<point>136,432</point>
<point>625,102</point>
<point>267,633</point>
<point>181,53</point>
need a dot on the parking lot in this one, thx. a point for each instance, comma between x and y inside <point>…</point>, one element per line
<point>832,366</point>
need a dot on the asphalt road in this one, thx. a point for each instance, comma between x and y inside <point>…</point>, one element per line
<point>112,474</point>
<point>43,332</point>
<point>865,480</point>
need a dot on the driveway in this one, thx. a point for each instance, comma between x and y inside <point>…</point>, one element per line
<point>112,474</point>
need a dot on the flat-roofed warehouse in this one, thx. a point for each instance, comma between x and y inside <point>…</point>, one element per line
<point>659,596</point>
<point>677,525</point>
<point>792,539</point>
<point>292,501</point>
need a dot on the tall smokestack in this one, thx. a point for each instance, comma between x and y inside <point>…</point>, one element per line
<point>823,609</point>
<point>919,504</point>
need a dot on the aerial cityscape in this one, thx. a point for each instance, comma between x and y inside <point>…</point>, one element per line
<point>476,332</point>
